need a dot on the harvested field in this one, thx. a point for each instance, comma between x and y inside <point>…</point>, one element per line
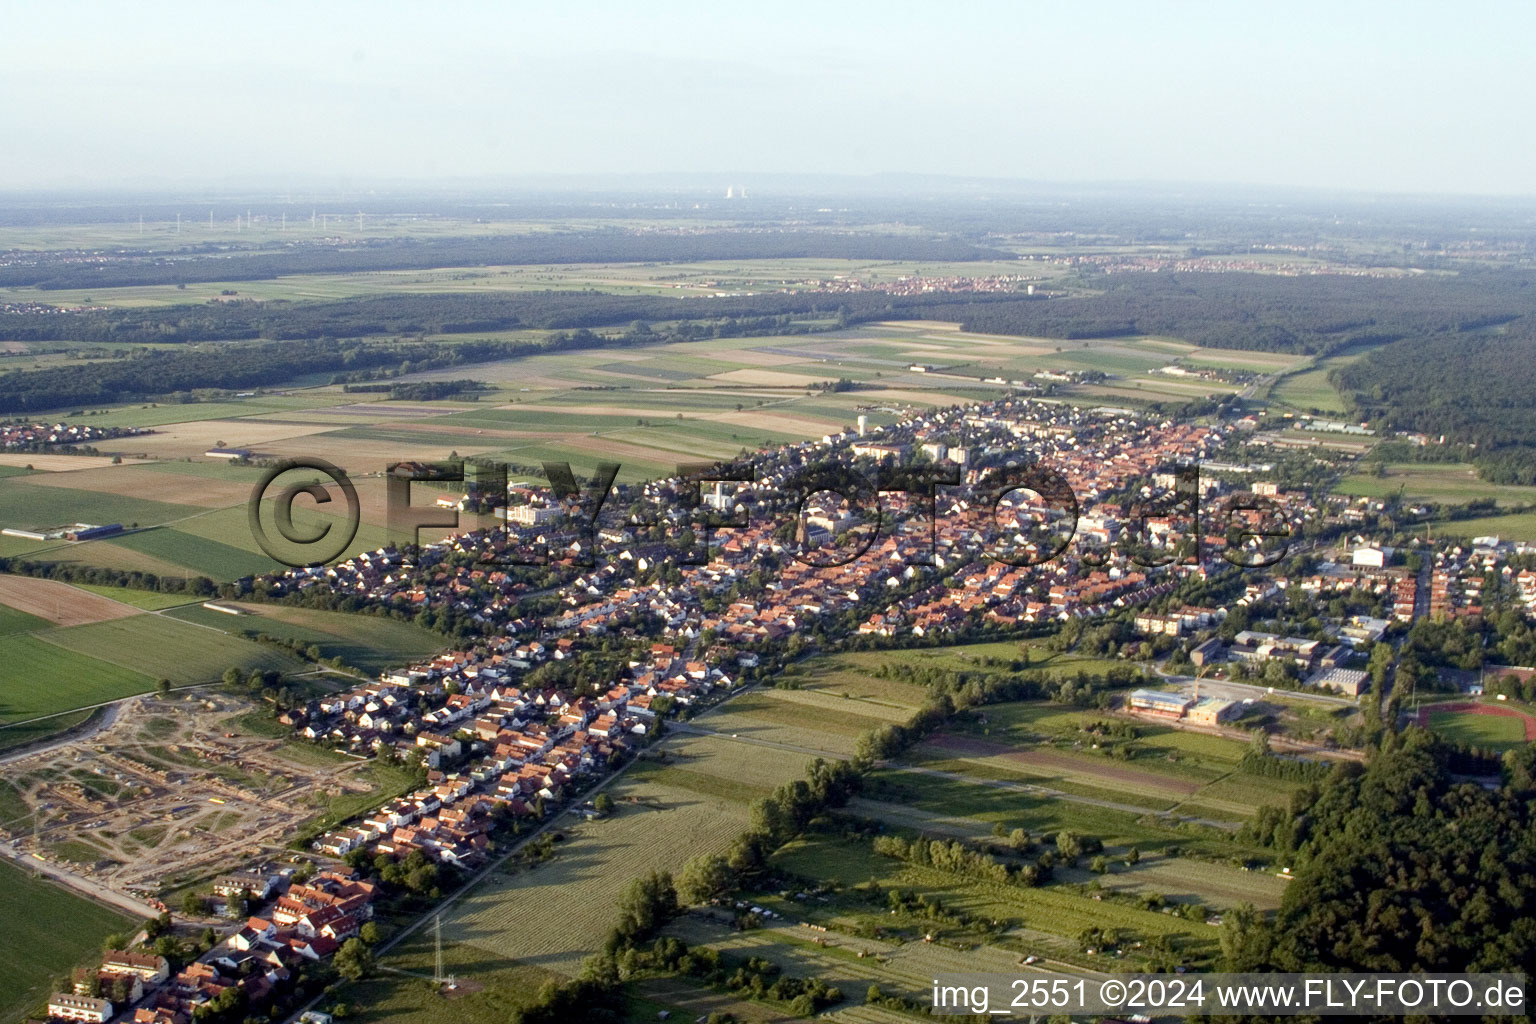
<point>775,378</point>
<point>176,488</point>
<point>193,438</point>
<point>1054,763</point>
<point>54,463</point>
<point>60,603</point>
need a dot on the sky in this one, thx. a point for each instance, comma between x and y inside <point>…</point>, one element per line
<point>1393,97</point>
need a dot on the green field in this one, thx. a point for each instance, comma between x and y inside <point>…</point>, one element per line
<point>1309,390</point>
<point>39,678</point>
<point>1450,483</point>
<point>149,600</point>
<point>1496,732</point>
<point>13,620</point>
<point>33,946</point>
<point>163,647</point>
<point>372,643</point>
<point>496,986</point>
<point>198,554</point>
<point>1516,526</point>
<point>24,503</point>
<point>1038,814</point>
<point>40,728</point>
<point>555,914</point>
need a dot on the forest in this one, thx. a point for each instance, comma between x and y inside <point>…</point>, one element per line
<point>1267,312</point>
<point>1488,402</point>
<point>224,262</point>
<point>1400,867</point>
<point>1479,321</point>
<point>431,314</point>
<point>167,372</point>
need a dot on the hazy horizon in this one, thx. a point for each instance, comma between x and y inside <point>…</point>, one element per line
<point>1374,99</point>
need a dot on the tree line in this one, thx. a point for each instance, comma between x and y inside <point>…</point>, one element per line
<point>221,263</point>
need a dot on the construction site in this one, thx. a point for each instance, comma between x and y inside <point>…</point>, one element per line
<point>168,793</point>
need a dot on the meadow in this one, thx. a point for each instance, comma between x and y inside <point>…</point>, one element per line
<point>690,794</point>
<point>1515,526</point>
<point>1448,483</point>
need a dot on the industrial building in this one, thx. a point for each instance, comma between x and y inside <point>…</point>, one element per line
<point>1155,702</point>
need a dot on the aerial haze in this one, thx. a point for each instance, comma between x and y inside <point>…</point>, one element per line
<point>1405,97</point>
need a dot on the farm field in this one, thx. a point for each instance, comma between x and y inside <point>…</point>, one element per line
<point>650,409</point>
<point>1309,387</point>
<point>148,600</point>
<point>39,729</point>
<point>695,800</point>
<point>372,643</point>
<point>26,502</point>
<point>59,604</point>
<point>32,946</point>
<point>1443,483</point>
<point>554,915</point>
<point>671,279</point>
<point>39,678</point>
<point>691,794</point>
<point>974,656</point>
<point>13,620</point>
<point>164,647</point>
<point>654,825</point>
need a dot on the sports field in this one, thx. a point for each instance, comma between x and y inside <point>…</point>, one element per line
<point>1476,724</point>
